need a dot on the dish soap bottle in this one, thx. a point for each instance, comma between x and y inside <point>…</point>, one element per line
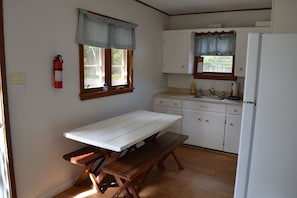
<point>193,90</point>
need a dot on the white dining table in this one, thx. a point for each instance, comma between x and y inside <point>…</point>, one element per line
<point>123,131</point>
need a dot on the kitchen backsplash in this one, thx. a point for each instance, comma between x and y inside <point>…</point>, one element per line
<point>181,83</point>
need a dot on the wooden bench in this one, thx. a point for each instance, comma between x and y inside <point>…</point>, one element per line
<point>140,161</point>
<point>85,157</point>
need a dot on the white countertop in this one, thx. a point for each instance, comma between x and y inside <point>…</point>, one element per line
<point>121,132</point>
<point>191,98</point>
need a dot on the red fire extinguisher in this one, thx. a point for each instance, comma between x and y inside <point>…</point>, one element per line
<point>58,68</point>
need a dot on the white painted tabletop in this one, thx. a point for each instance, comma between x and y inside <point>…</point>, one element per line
<point>120,132</point>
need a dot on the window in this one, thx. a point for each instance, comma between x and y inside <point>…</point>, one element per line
<point>214,56</point>
<point>106,55</point>
<point>99,66</point>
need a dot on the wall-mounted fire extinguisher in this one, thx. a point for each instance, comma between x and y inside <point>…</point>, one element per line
<point>58,68</point>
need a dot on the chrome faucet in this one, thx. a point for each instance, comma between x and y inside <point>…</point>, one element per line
<point>211,90</point>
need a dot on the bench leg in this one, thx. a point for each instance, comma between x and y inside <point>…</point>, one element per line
<point>120,183</point>
<point>180,166</point>
<point>143,179</point>
<point>161,165</point>
<point>133,191</point>
<point>97,180</point>
<point>123,187</point>
<point>86,171</point>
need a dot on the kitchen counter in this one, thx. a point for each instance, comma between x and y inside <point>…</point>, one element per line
<point>191,98</point>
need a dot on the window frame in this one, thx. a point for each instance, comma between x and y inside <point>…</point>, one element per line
<point>214,75</point>
<point>92,93</point>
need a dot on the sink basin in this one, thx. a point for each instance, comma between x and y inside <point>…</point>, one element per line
<point>213,97</point>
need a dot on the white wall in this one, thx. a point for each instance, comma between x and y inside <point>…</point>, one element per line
<point>36,31</point>
<point>227,19</point>
<point>284,16</point>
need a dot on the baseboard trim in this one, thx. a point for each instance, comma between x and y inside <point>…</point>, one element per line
<point>57,190</point>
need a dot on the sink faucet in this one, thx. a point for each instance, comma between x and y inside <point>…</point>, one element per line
<point>211,90</point>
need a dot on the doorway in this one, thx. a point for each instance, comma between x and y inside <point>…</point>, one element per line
<point>7,181</point>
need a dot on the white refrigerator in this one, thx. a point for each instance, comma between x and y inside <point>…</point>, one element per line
<point>267,160</point>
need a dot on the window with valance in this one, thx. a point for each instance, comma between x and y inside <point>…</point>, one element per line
<point>214,55</point>
<point>106,49</point>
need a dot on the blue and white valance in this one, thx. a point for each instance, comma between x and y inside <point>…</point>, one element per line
<point>105,32</point>
<point>218,43</point>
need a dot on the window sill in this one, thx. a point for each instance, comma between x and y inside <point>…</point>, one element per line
<point>99,94</point>
<point>213,76</point>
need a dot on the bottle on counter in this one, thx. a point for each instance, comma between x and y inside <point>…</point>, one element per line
<point>105,87</point>
<point>193,90</point>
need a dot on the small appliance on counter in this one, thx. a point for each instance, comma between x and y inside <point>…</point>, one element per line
<point>234,91</point>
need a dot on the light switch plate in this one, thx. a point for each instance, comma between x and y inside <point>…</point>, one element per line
<point>17,78</point>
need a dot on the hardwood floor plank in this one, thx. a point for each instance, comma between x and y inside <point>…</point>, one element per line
<point>207,174</point>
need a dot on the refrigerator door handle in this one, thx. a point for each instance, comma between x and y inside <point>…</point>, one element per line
<point>250,102</point>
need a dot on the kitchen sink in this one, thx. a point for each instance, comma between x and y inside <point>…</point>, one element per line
<point>213,97</point>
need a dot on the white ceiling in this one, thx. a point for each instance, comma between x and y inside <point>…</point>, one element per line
<point>179,7</point>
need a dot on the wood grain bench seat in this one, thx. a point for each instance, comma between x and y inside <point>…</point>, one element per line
<point>85,157</point>
<point>142,160</point>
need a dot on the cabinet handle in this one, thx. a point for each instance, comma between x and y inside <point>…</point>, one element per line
<point>231,124</point>
<point>235,110</point>
<point>199,119</point>
<point>175,104</point>
<point>207,121</point>
<point>183,66</point>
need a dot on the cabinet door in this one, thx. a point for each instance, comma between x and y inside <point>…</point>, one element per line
<point>232,133</point>
<point>213,130</point>
<point>205,129</point>
<point>176,127</point>
<point>178,49</point>
<point>241,48</point>
<point>192,125</point>
<point>240,54</point>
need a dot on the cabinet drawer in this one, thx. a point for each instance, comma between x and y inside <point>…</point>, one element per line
<point>168,102</point>
<point>234,109</point>
<point>221,108</point>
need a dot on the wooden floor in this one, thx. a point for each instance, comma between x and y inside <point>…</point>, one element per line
<point>207,174</point>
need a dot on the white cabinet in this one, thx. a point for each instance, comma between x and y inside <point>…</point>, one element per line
<point>204,123</point>
<point>209,125</point>
<point>178,52</point>
<point>241,48</point>
<point>232,129</point>
<point>170,106</point>
<point>205,129</point>
<point>178,49</point>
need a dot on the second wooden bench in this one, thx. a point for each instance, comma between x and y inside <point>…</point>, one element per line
<point>140,161</point>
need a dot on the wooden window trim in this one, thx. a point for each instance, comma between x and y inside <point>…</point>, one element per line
<point>213,75</point>
<point>86,94</point>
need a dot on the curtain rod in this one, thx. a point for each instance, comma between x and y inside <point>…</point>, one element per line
<point>78,9</point>
<point>216,32</point>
